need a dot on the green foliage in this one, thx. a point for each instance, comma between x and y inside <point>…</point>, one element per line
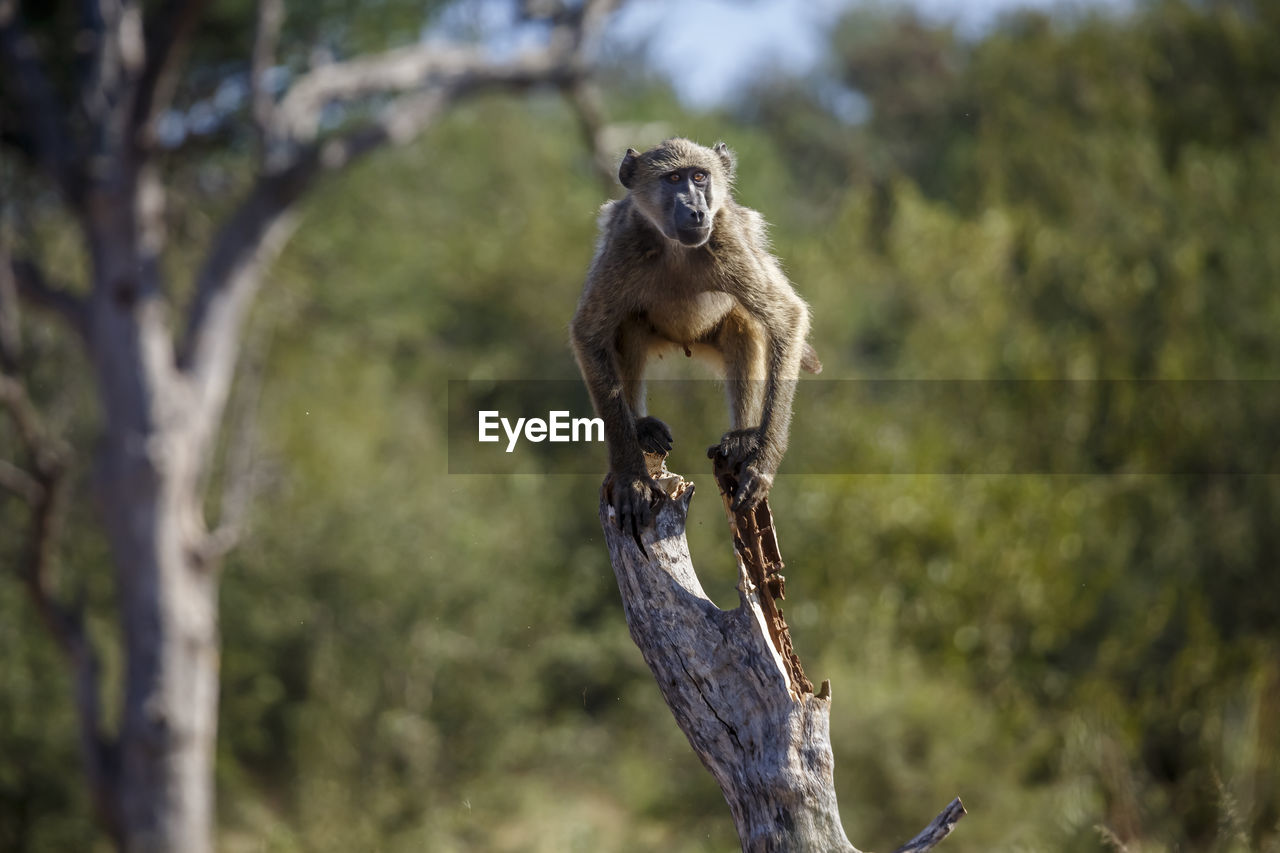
<point>1126,620</point>
<point>1044,579</point>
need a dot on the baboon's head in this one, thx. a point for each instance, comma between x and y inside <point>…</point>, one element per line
<point>679,185</point>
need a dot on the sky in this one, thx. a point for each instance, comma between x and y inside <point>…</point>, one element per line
<point>710,47</point>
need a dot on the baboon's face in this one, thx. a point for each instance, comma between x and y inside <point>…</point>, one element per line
<point>679,186</point>
<point>686,203</point>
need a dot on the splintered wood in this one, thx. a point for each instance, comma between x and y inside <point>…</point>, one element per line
<point>673,484</point>
<point>756,544</point>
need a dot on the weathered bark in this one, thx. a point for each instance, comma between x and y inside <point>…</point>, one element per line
<point>732,680</point>
<point>147,482</point>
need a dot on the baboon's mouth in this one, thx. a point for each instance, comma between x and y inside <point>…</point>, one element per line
<point>693,236</point>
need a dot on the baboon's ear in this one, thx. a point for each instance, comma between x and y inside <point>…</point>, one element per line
<point>727,158</point>
<point>627,171</point>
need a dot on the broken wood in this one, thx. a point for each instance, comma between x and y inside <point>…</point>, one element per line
<point>732,678</point>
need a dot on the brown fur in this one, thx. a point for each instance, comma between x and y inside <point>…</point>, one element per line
<point>652,287</point>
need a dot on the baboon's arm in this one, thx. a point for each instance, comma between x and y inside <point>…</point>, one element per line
<point>633,492</point>
<point>604,384</point>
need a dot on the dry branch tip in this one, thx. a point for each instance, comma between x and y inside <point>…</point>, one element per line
<point>938,829</point>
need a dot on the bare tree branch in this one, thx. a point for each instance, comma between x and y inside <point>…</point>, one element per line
<point>115,32</point>
<point>430,77</point>
<point>416,67</point>
<point>10,328</point>
<point>593,14</point>
<point>90,48</point>
<point>423,66</point>
<point>42,488</point>
<point>251,238</point>
<point>581,23</point>
<point>938,829</point>
<point>240,480</point>
<point>40,110</point>
<point>585,98</point>
<point>586,24</point>
<point>168,39</point>
<point>44,491</point>
<point>266,36</point>
<point>13,397</point>
<point>227,282</point>
<point>20,483</point>
<point>35,289</point>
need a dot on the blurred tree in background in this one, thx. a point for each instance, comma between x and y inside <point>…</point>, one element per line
<point>1064,610</point>
<point>90,104</point>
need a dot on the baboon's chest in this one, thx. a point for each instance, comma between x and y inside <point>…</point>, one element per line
<point>686,318</point>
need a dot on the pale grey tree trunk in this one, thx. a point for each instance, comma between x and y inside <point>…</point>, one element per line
<point>148,483</point>
<point>733,681</point>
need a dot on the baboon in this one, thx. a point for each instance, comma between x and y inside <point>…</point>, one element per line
<point>680,265</point>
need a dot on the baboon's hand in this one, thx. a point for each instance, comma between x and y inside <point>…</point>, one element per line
<point>634,499</point>
<point>737,446</point>
<point>741,449</point>
<point>654,435</point>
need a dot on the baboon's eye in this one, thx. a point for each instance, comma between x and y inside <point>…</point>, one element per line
<point>699,177</point>
<point>674,178</point>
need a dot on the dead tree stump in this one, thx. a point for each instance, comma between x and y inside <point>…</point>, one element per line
<point>732,679</point>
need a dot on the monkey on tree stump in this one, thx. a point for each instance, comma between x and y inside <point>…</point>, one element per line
<point>680,265</point>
